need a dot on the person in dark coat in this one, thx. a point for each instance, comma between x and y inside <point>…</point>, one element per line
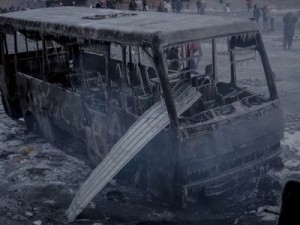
<point>145,5</point>
<point>289,211</point>
<point>111,4</point>
<point>202,7</point>
<point>272,19</point>
<point>256,13</point>
<point>161,6</point>
<point>48,3</point>
<point>178,6</point>
<point>289,21</point>
<point>173,4</point>
<point>265,17</point>
<point>198,4</point>
<point>132,5</point>
<point>249,4</point>
<point>99,5</point>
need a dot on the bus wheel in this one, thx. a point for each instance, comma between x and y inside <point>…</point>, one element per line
<point>32,124</point>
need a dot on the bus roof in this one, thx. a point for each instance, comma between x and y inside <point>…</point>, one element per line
<point>131,27</point>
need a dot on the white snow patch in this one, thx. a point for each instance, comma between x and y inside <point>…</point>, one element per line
<point>292,140</point>
<point>29,214</point>
<point>268,213</point>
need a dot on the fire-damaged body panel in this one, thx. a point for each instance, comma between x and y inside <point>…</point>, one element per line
<point>91,77</point>
<point>51,103</point>
<point>222,160</point>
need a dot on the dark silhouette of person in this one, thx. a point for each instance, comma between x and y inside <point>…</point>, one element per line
<point>161,6</point>
<point>289,21</point>
<point>132,5</point>
<point>256,13</point>
<point>289,212</point>
<point>48,3</point>
<point>202,7</point>
<point>178,6</point>
<point>198,4</point>
<point>145,5</point>
<point>249,4</point>
<point>99,5</point>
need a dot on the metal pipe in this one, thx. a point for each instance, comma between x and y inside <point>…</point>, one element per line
<point>123,79</point>
<point>267,68</point>
<point>159,60</point>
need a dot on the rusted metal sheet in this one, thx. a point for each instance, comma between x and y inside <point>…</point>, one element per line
<point>140,133</point>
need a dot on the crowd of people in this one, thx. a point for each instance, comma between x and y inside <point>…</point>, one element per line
<point>175,6</point>
<point>267,14</point>
<point>110,4</point>
<point>10,9</point>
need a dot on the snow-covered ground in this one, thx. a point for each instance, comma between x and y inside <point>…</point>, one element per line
<point>38,180</point>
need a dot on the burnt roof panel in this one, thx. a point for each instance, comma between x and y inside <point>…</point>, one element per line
<point>126,26</point>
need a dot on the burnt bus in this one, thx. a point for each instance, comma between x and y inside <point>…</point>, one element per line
<point>99,77</point>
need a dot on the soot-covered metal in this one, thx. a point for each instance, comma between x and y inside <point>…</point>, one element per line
<point>155,95</point>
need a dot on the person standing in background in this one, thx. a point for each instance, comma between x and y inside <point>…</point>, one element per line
<point>256,13</point>
<point>249,5</point>
<point>202,7</point>
<point>198,4</point>
<point>289,21</point>
<point>132,5</point>
<point>145,5</point>
<point>227,6</point>
<point>272,15</point>
<point>178,6</point>
<point>265,17</point>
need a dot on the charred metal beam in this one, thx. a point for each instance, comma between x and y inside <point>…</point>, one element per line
<point>159,60</point>
<point>267,68</point>
<point>124,78</point>
<point>109,95</point>
<point>232,65</point>
<point>214,60</point>
<point>44,57</point>
<point>16,52</point>
<point>38,56</point>
<point>5,44</point>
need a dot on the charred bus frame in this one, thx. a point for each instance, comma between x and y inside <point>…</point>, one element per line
<point>91,73</point>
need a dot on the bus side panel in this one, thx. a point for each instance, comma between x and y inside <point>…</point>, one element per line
<point>52,107</point>
<point>104,131</point>
<point>97,138</point>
